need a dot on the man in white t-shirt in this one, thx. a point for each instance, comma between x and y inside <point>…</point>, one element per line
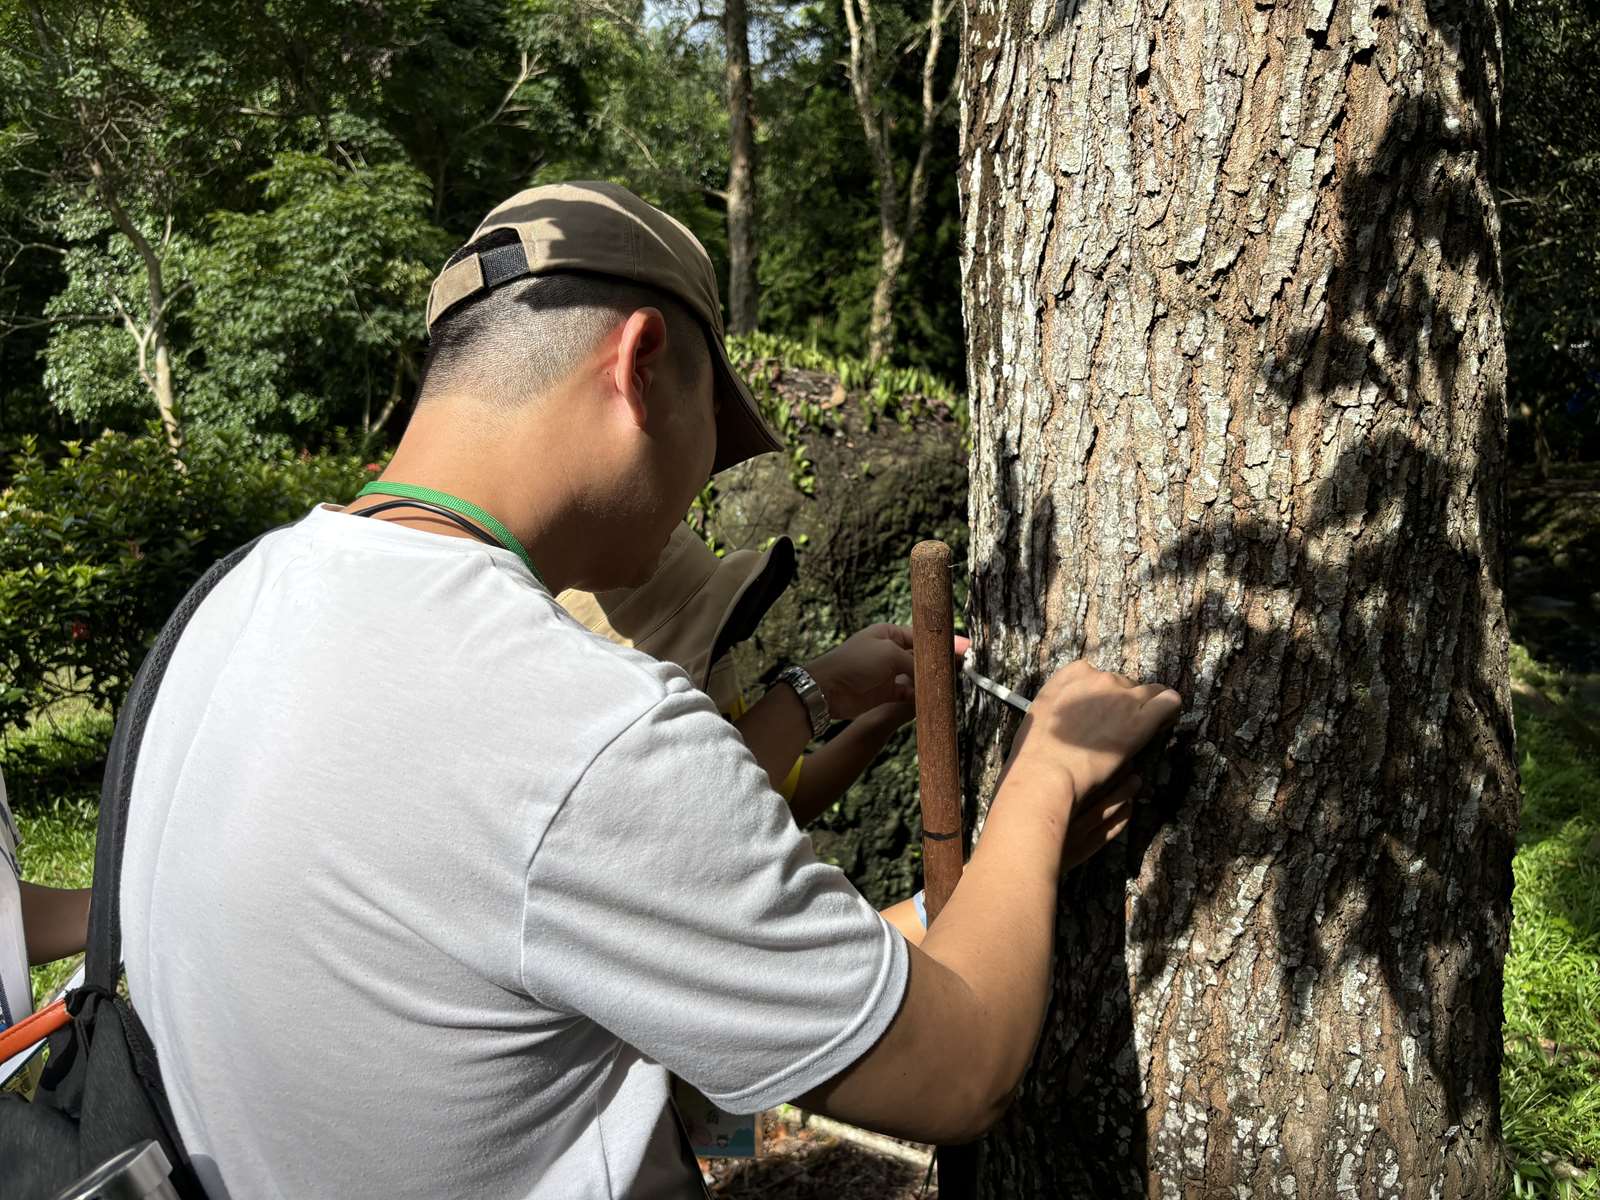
<point>427,888</point>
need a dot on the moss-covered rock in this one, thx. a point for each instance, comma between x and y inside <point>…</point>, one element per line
<point>855,499</point>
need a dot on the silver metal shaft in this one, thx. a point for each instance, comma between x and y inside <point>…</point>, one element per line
<point>998,690</point>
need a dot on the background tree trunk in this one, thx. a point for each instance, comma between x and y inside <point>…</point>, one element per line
<point>741,171</point>
<point>891,256</point>
<point>1237,377</point>
<point>163,392</point>
<point>149,333</point>
<point>898,220</point>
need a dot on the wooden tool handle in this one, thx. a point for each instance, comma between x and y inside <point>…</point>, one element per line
<point>938,763</point>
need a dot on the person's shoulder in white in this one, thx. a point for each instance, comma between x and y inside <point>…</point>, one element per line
<point>670,897</point>
<point>491,635</point>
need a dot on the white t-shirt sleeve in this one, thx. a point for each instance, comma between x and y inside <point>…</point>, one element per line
<point>16,1000</point>
<point>674,902</point>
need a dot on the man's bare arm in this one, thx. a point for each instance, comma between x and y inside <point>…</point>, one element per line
<point>831,769</point>
<point>980,981</point>
<point>55,921</point>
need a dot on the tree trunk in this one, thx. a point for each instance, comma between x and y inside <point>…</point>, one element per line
<point>896,228</point>
<point>741,172</point>
<point>370,429</point>
<point>1542,456</point>
<point>1237,374</point>
<point>150,338</point>
<point>163,391</point>
<point>880,324</point>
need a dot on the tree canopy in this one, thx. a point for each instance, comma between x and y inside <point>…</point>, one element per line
<point>228,216</point>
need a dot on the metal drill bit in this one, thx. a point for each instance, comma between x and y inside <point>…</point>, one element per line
<point>998,690</point>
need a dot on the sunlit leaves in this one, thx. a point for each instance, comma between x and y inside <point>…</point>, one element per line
<point>308,300</point>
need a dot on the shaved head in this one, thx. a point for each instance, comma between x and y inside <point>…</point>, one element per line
<point>519,341</point>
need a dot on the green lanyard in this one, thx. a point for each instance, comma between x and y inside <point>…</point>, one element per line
<point>411,491</point>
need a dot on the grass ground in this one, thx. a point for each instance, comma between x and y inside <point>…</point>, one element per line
<point>1550,1084</point>
<point>1550,1087</point>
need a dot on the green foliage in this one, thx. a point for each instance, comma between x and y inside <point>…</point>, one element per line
<point>819,201</point>
<point>901,394</point>
<point>1536,1180</point>
<point>91,364</point>
<point>306,304</point>
<point>489,93</point>
<point>1551,225</point>
<point>97,547</point>
<point>296,251</point>
<point>240,149</point>
<point>121,141</point>
<point>1550,1083</point>
<point>882,392</point>
<point>295,180</point>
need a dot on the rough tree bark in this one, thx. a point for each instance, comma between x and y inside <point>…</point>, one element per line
<point>741,171</point>
<point>898,219</point>
<point>1232,291</point>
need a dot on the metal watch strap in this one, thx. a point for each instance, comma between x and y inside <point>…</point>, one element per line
<point>810,695</point>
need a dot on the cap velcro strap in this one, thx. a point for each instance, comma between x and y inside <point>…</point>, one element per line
<point>501,264</point>
<point>455,283</point>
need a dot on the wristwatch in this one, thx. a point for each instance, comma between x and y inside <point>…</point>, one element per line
<point>810,695</point>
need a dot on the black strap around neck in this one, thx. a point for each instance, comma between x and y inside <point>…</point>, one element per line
<point>454,518</point>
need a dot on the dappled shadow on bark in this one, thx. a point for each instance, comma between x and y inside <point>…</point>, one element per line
<point>1349,824</point>
<point>1337,814</point>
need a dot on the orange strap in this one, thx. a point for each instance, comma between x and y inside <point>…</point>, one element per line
<point>30,1031</point>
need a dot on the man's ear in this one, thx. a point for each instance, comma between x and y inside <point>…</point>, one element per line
<point>641,352</point>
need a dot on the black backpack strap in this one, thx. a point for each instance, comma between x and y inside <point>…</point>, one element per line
<point>104,959</point>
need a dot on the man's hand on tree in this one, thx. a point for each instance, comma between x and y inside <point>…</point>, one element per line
<point>1096,824</point>
<point>1074,747</point>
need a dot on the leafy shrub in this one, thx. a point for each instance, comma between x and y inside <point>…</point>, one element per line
<point>301,307</point>
<point>901,394</point>
<point>98,546</point>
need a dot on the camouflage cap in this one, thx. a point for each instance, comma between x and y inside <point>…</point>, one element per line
<point>605,229</point>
